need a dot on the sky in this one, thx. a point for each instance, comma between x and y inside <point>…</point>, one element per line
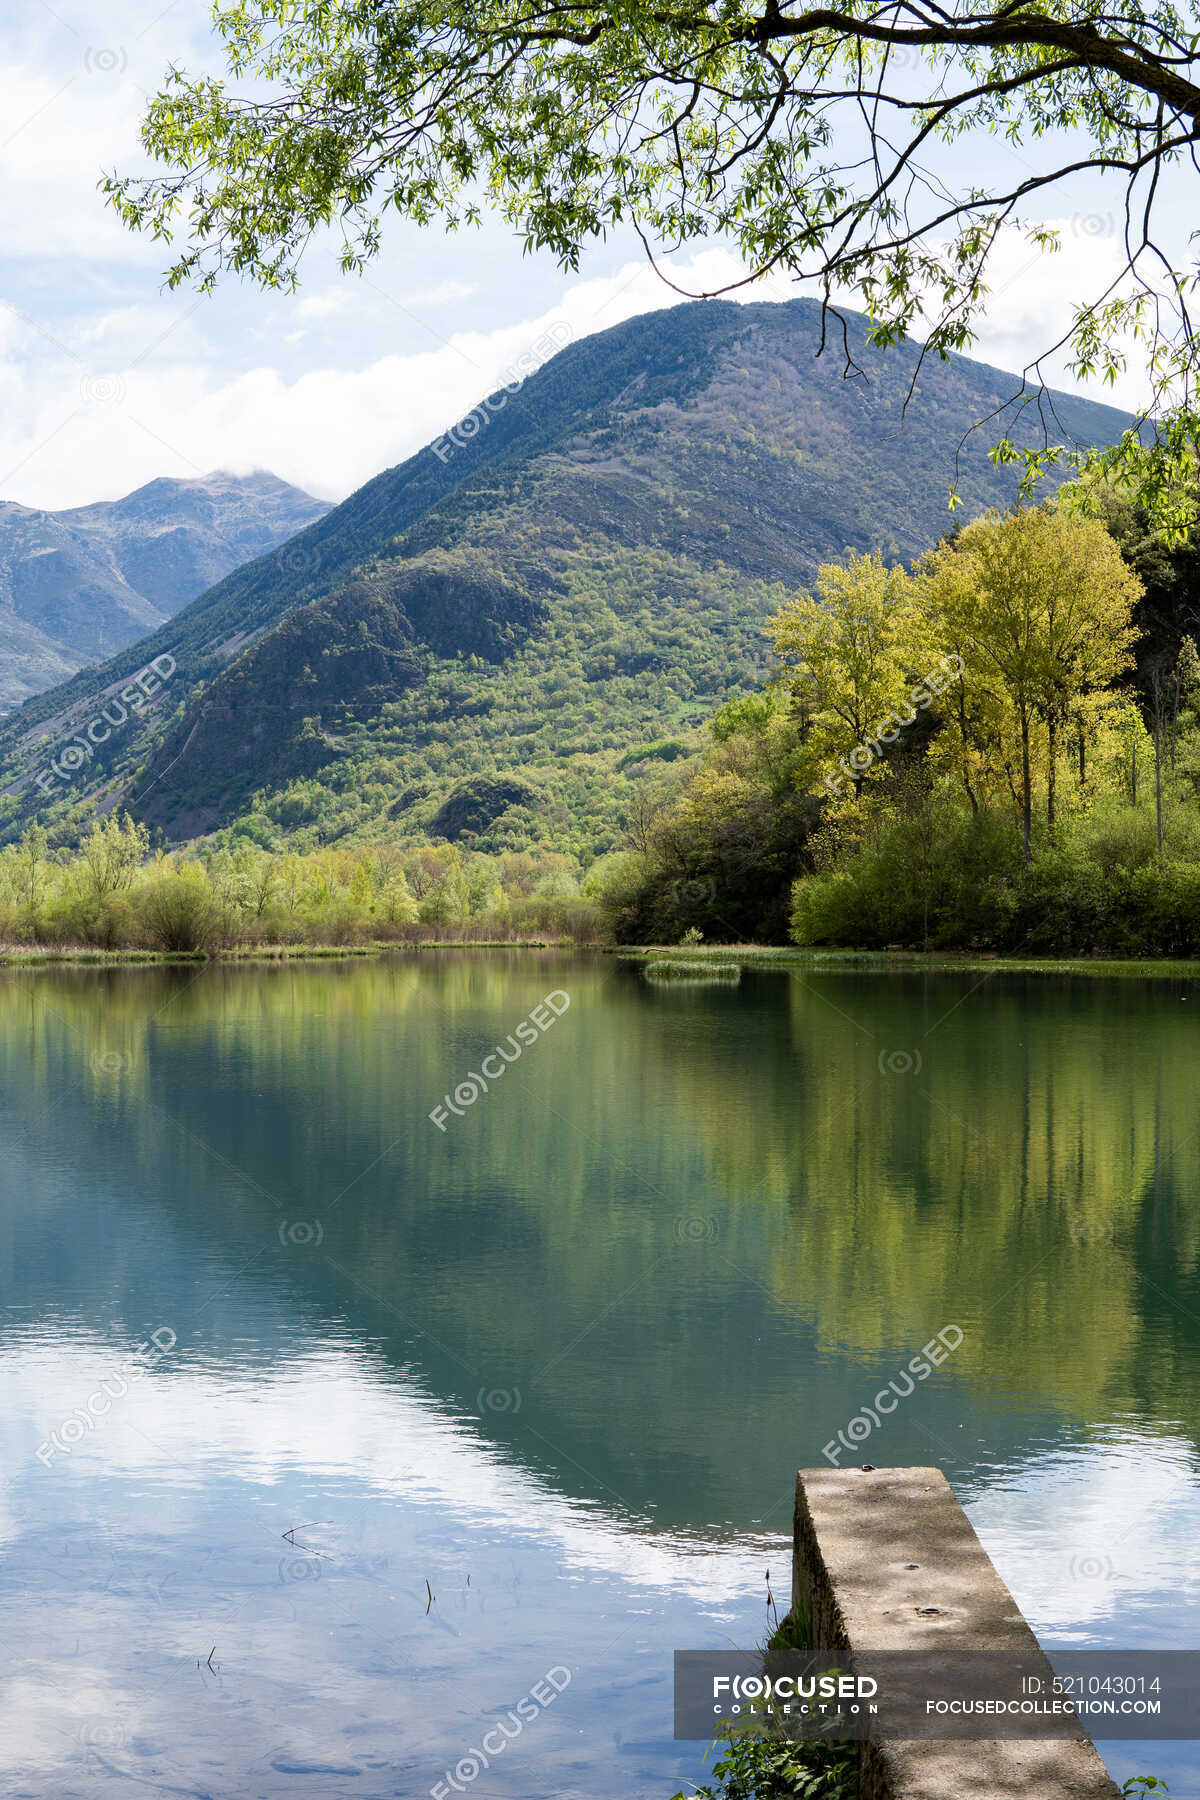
<point>107,380</point>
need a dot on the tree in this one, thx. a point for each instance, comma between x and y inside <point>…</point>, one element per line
<point>1169,610</point>
<point>975,746</point>
<point>446,898</point>
<point>1038,605</point>
<point>177,906</point>
<point>485,896</point>
<point>1171,683</point>
<point>394,900</point>
<point>264,881</point>
<point>1133,739</point>
<point>823,141</point>
<point>31,869</point>
<point>1090,596</point>
<point>721,854</point>
<point>852,657</point>
<point>113,852</point>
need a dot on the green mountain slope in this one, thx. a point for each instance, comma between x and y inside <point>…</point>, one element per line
<point>500,641</point>
<point>77,585</point>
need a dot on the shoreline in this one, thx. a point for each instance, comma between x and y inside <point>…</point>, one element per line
<point>915,962</point>
<point>749,956</point>
<point>32,956</point>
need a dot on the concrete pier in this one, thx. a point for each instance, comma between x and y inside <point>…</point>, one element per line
<point>886,1559</point>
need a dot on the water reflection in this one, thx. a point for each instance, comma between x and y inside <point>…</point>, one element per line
<point>573,1348</point>
<point>285,1517</point>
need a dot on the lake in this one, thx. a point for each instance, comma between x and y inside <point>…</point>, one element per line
<point>333,1431</point>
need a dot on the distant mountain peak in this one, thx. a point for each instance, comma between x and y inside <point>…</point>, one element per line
<point>79,584</point>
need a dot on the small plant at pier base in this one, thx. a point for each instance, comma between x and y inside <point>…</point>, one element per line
<point>754,1765</point>
<point>759,1761</point>
<point>789,1633</point>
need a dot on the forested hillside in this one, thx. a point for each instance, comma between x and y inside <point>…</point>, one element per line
<point>502,641</point>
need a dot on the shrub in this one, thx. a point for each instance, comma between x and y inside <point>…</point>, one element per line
<point>953,881</point>
<point>178,912</point>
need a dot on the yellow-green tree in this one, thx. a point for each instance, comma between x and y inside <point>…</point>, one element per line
<point>1038,605</point>
<point>112,853</point>
<point>851,653</point>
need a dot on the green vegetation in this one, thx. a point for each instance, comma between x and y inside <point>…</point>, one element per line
<point>995,751</point>
<point>113,897</point>
<point>681,968</point>
<point>720,856</point>
<point>953,758</point>
<point>757,1766</point>
<point>758,1759</point>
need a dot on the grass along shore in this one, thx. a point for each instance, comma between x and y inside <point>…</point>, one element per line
<point>766,956</point>
<point>709,958</point>
<point>33,956</point>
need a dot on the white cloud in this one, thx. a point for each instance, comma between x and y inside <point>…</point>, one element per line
<point>100,421</point>
<point>346,299</point>
<point>65,439</point>
<point>1034,295</point>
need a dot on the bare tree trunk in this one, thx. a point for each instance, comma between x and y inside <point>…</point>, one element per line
<point>966,762</point>
<point>1052,776</point>
<point>1158,807</point>
<point>1026,790</point>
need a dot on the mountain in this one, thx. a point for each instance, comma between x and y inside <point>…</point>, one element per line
<point>78,585</point>
<point>500,639</point>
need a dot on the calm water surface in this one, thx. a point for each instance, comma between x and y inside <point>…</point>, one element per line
<point>561,1360</point>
